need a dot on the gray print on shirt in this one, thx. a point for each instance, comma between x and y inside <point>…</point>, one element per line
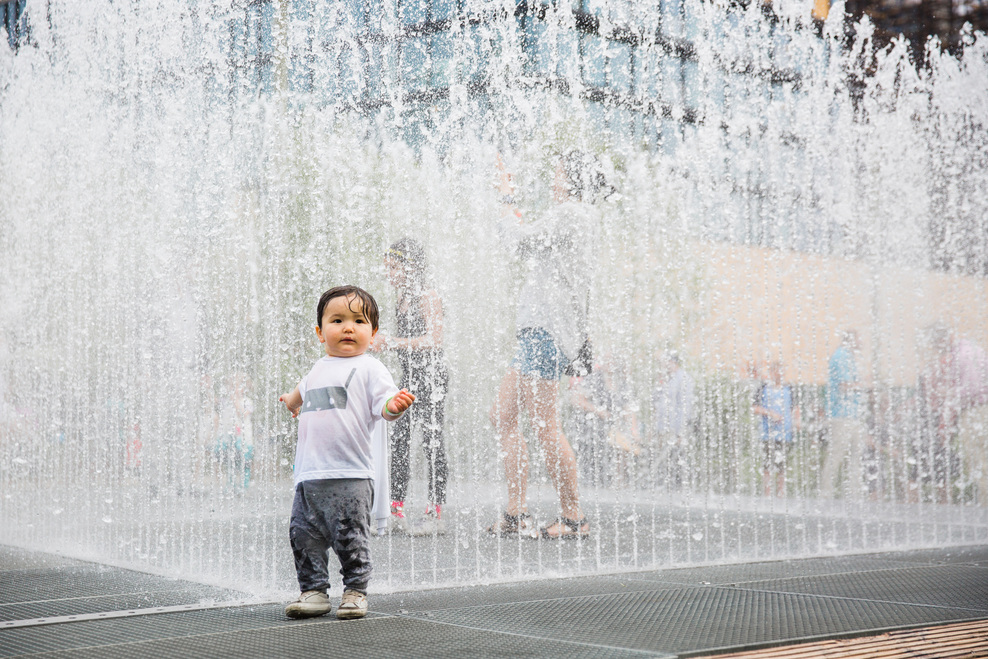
<point>326,398</point>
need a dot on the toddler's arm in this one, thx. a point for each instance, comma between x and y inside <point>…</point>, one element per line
<point>292,401</point>
<point>397,404</point>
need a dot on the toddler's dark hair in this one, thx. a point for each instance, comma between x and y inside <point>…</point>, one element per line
<point>367,300</point>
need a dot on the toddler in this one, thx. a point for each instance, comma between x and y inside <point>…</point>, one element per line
<point>338,404</point>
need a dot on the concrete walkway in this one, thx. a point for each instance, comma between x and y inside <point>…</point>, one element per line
<point>57,607</point>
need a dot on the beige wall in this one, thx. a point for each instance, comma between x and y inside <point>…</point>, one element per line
<point>760,302</point>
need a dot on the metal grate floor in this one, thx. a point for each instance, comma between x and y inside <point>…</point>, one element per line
<point>51,607</point>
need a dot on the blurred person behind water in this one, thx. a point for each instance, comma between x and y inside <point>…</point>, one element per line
<point>954,387</point>
<point>848,436</point>
<point>551,321</point>
<point>779,418</point>
<point>673,405</point>
<point>234,443</point>
<point>606,426</point>
<point>417,341</point>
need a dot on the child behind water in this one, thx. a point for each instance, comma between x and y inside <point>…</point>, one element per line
<point>338,404</point>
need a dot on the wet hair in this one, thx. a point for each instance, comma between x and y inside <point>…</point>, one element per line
<point>367,301</point>
<point>584,175</point>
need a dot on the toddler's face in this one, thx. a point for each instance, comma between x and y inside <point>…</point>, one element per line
<point>345,331</point>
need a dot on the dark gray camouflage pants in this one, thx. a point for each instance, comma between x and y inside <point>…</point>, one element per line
<point>332,513</point>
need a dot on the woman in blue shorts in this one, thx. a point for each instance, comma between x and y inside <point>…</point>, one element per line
<point>551,326</point>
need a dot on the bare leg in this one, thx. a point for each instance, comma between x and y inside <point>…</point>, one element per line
<point>504,416</point>
<point>559,457</point>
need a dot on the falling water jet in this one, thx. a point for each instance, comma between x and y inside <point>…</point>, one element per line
<point>173,208</point>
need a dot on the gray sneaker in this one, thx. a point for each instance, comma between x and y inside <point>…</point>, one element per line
<point>353,605</point>
<point>309,604</point>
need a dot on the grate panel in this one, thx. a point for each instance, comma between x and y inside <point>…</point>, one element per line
<point>89,581</point>
<point>79,589</point>
<point>373,636</point>
<point>538,590</point>
<point>752,572</point>
<point>77,635</point>
<point>680,620</point>
<point>946,586</point>
<point>100,604</point>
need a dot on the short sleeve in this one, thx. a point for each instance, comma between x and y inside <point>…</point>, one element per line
<point>380,387</point>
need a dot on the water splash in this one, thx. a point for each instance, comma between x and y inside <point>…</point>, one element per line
<point>173,207</point>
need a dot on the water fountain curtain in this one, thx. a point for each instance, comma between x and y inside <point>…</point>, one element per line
<point>182,180</point>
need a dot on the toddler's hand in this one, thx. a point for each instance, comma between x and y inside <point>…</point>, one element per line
<point>294,410</point>
<point>400,402</point>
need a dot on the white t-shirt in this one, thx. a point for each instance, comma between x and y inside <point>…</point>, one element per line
<point>342,401</point>
<point>553,295</point>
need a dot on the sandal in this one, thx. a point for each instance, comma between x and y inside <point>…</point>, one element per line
<point>521,524</point>
<point>567,528</point>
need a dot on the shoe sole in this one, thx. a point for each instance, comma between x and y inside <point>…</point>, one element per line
<point>350,614</point>
<point>297,613</point>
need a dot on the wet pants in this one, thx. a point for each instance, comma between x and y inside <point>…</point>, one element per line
<point>332,514</point>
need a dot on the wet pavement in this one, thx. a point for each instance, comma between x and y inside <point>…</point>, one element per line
<point>52,606</point>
